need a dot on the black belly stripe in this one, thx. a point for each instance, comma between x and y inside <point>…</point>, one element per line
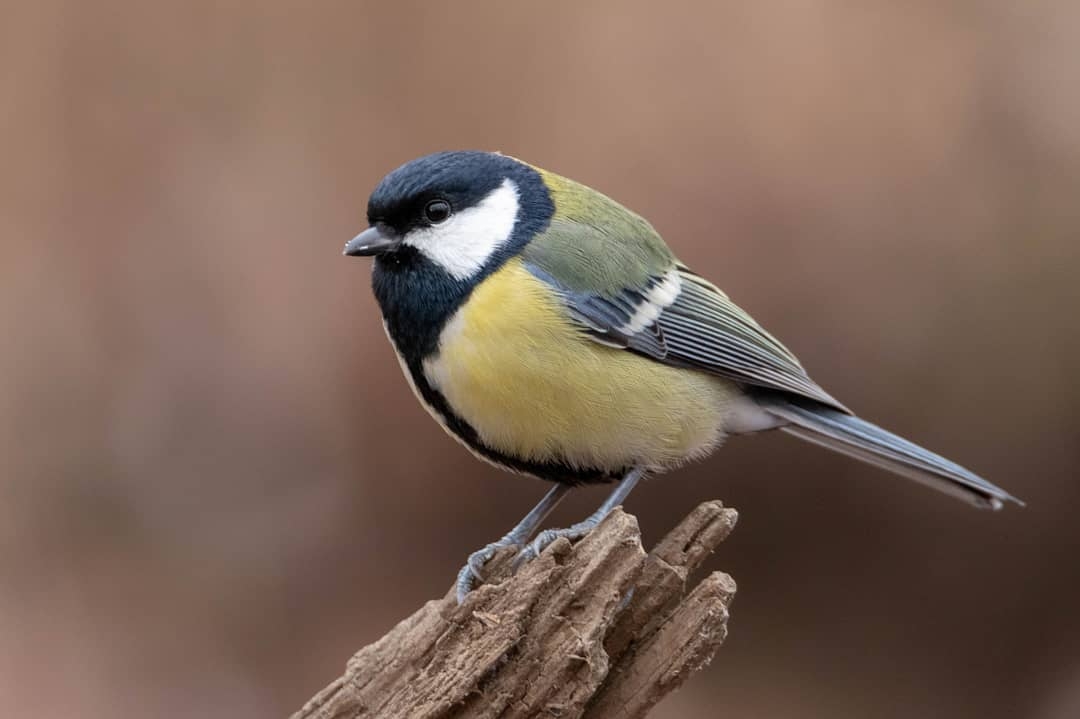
<point>550,471</point>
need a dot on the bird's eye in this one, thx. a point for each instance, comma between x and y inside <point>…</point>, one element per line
<point>437,211</point>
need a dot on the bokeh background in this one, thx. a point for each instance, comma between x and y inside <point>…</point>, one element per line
<point>215,485</point>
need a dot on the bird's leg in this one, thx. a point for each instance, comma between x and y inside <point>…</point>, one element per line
<point>516,537</point>
<point>579,530</point>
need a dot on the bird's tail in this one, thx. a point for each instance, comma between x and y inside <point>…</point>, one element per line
<point>860,439</point>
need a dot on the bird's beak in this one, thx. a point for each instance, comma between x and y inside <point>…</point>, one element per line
<point>372,241</point>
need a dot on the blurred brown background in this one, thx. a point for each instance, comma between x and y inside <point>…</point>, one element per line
<point>214,483</point>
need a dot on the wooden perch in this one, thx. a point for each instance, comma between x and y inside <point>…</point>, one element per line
<point>594,629</point>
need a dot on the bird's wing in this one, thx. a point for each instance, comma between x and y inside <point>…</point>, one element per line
<point>648,303</point>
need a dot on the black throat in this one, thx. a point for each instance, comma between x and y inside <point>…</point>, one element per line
<point>418,297</point>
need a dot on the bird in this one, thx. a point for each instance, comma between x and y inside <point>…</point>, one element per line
<point>554,333</point>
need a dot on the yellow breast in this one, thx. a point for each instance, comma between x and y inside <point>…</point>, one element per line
<point>512,365</point>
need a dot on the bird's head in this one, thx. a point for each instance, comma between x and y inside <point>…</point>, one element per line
<point>463,211</point>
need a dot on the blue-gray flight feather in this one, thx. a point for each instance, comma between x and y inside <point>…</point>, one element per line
<point>626,290</point>
<point>866,441</point>
<point>701,329</point>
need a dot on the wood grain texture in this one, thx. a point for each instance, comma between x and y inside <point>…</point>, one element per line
<point>597,629</point>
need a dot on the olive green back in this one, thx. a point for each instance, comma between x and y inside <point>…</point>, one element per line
<point>594,244</point>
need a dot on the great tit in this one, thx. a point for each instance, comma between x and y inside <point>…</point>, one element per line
<point>553,333</point>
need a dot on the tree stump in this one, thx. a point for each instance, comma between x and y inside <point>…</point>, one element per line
<point>592,629</point>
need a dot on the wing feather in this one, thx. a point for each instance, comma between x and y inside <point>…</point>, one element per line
<point>681,319</point>
<point>624,287</point>
<point>712,333</point>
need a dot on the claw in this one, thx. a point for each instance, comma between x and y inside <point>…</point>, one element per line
<point>464,583</point>
<point>544,540</point>
<point>531,551</point>
<point>473,569</point>
<point>477,560</point>
<point>472,572</point>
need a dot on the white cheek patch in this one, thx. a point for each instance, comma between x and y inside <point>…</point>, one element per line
<point>463,244</point>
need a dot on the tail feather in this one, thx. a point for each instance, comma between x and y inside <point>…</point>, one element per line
<point>858,438</point>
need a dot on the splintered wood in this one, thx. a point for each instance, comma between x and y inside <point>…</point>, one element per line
<point>596,630</point>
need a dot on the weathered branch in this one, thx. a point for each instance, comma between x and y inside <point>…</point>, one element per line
<point>592,630</point>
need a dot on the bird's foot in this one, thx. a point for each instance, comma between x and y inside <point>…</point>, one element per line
<point>472,573</point>
<point>579,530</point>
<point>543,540</point>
